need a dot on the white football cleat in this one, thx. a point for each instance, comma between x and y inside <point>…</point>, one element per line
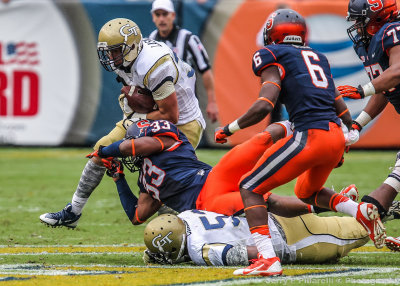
<point>351,192</point>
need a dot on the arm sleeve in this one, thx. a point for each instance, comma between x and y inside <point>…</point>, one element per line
<point>128,199</point>
<point>199,53</point>
<point>220,254</point>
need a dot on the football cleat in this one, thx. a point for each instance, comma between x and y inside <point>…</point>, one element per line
<point>263,267</point>
<point>368,217</point>
<point>65,217</point>
<point>351,192</point>
<point>393,243</point>
<point>393,212</point>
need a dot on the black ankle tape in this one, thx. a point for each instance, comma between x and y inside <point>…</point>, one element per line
<point>381,210</point>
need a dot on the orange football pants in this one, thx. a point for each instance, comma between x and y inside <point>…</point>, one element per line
<point>309,156</point>
<point>220,192</point>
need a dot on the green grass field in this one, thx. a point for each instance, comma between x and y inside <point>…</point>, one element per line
<point>106,249</point>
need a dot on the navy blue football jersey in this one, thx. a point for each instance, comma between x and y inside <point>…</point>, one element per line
<point>376,60</point>
<point>308,90</point>
<point>174,176</point>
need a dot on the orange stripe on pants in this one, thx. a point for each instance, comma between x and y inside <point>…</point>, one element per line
<point>312,165</point>
<point>220,193</point>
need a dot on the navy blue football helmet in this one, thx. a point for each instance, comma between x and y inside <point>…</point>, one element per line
<point>135,131</point>
<point>285,26</point>
<point>369,17</point>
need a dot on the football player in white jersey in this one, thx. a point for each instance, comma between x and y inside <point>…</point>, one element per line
<point>209,238</point>
<point>147,64</point>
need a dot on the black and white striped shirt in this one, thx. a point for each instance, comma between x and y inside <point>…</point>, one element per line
<point>187,46</point>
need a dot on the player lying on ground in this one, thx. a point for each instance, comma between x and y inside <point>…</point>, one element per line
<point>209,238</point>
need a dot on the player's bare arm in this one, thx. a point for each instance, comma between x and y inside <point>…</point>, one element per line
<point>145,146</point>
<point>391,76</point>
<point>147,206</point>
<point>268,96</point>
<point>167,109</point>
<point>341,110</point>
<point>265,103</point>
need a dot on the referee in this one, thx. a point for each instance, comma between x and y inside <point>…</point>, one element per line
<point>187,46</point>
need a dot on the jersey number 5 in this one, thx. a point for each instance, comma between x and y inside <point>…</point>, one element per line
<point>314,69</point>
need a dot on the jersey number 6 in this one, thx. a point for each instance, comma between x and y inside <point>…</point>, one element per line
<point>313,69</point>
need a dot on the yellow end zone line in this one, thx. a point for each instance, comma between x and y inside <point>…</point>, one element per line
<point>110,249</point>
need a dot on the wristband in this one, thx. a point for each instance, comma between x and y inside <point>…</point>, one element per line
<point>356,125</point>
<point>368,89</point>
<point>233,127</point>
<point>111,150</point>
<point>363,119</point>
<point>226,130</point>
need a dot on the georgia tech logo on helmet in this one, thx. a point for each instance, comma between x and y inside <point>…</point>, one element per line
<point>131,31</point>
<point>270,21</point>
<point>158,240</point>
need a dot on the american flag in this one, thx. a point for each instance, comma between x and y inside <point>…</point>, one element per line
<point>21,53</point>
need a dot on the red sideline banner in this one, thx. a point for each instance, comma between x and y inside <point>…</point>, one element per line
<point>237,87</point>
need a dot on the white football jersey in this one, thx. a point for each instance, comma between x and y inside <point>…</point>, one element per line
<point>155,64</point>
<point>210,235</point>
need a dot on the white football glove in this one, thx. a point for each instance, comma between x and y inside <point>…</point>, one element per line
<point>351,137</point>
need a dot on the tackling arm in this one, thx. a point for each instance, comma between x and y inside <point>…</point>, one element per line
<point>143,146</point>
<point>138,211</point>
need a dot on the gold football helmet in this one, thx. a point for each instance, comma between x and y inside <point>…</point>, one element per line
<point>166,234</point>
<point>119,43</point>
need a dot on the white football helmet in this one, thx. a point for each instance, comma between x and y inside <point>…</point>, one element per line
<point>119,43</point>
<point>166,234</point>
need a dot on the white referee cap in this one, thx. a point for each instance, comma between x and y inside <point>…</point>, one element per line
<point>165,5</point>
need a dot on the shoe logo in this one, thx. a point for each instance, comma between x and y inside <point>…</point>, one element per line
<point>246,272</point>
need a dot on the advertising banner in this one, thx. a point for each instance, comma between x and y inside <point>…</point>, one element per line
<point>53,91</point>
<point>240,36</point>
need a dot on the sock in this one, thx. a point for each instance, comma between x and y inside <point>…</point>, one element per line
<point>77,204</point>
<point>263,241</point>
<point>343,204</point>
<point>91,177</point>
